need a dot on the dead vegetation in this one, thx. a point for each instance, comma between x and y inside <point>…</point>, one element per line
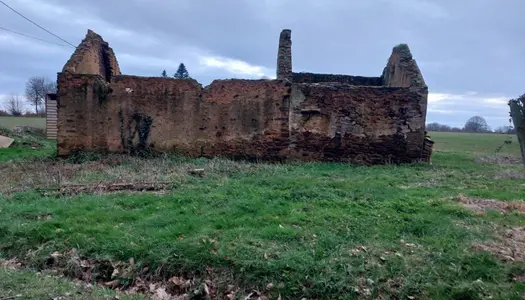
<point>128,278</point>
<point>510,174</point>
<point>481,206</point>
<point>114,173</point>
<point>73,189</point>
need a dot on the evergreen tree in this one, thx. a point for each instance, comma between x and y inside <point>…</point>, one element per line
<point>164,74</point>
<point>182,73</point>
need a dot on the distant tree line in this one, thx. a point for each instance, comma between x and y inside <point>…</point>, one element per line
<point>442,127</point>
<point>474,124</point>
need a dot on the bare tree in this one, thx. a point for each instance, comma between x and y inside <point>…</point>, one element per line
<point>13,105</point>
<point>476,124</point>
<point>517,113</point>
<point>36,89</point>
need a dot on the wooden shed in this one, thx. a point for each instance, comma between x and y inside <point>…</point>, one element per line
<point>51,116</point>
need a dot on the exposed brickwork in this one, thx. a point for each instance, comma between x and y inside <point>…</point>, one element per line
<point>402,70</point>
<point>93,56</point>
<point>359,124</point>
<point>238,118</point>
<point>328,118</point>
<point>284,56</point>
<point>305,77</point>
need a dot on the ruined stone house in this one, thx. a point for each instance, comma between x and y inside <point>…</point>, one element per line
<point>298,116</point>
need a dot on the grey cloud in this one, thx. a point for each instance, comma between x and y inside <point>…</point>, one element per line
<point>468,45</point>
<point>456,109</point>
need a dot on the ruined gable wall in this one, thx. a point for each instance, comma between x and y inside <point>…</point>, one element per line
<point>402,70</point>
<point>305,77</point>
<point>93,56</point>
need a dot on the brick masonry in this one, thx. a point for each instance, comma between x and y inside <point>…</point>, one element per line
<point>322,117</point>
<point>284,56</point>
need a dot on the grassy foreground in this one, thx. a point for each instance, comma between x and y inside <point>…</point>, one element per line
<point>318,231</point>
<point>23,284</point>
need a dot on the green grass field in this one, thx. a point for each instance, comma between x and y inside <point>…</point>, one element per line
<point>306,230</point>
<point>12,122</point>
<point>25,284</point>
<point>475,143</point>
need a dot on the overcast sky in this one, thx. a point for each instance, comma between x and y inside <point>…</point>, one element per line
<point>471,52</point>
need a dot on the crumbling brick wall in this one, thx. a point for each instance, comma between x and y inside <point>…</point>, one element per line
<point>299,116</point>
<point>357,124</point>
<point>237,118</point>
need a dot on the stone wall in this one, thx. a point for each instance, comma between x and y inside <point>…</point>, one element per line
<point>236,118</point>
<point>305,77</point>
<point>299,116</point>
<point>357,124</point>
<point>250,119</point>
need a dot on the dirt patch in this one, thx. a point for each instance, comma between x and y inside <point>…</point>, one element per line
<point>509,246</point>
<point>510,174</point>
<point>480,206</point>
<point>499,159</point>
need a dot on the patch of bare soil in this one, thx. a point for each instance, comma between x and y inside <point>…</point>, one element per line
<point>510,174</point>
<point>499,159</point>
<point>130,279</point>
<point>509,246</point>
<point>480,206</point>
